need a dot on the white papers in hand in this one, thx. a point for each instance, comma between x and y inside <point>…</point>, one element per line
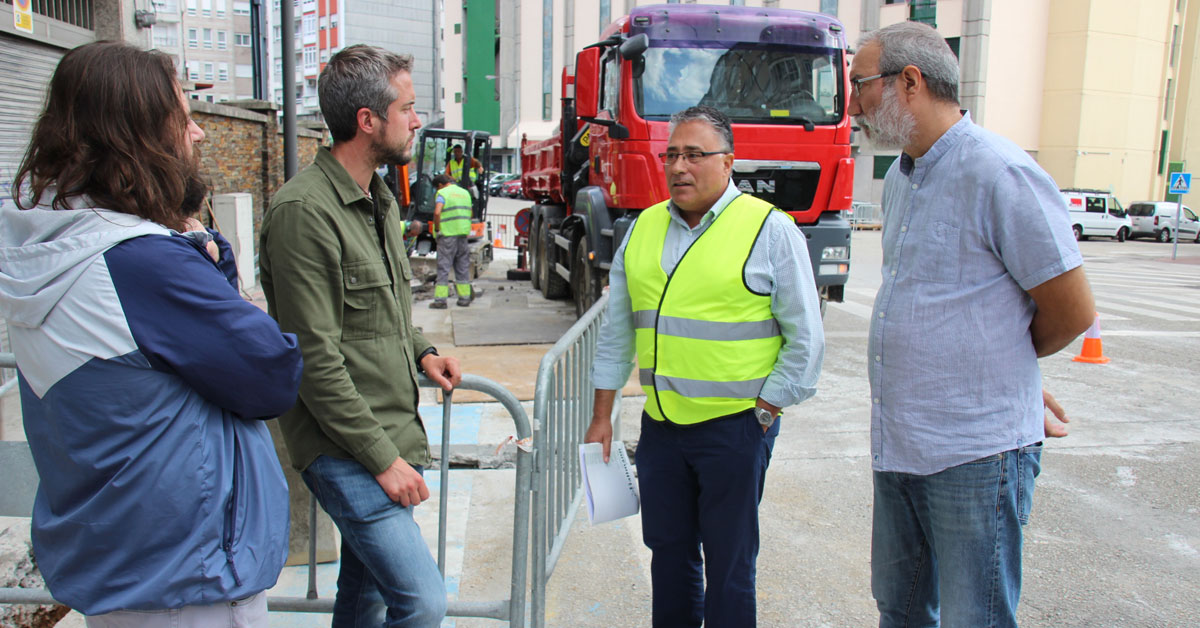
<point>611,491</point>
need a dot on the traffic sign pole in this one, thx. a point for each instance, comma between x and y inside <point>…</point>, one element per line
<point>1181,182</point>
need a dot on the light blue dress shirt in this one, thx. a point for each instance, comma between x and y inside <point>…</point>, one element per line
<point>778,265</point>
<point>968,228</point>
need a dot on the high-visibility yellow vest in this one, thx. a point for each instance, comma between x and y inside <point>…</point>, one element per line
<point>456,211</point>
<point>456,168</point>
<point>705,341</point>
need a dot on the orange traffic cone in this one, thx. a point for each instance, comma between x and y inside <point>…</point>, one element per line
<point>1093,351</point>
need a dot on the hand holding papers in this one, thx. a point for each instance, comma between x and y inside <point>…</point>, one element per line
<point>611,490</point>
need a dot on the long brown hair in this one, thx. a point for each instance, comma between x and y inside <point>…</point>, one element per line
<point>113,130</point>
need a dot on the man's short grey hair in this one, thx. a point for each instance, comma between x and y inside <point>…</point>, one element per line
<point>917,44</point>
<point>713,117</point>
<point>357,77</point>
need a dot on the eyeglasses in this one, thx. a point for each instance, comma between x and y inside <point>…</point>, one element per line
<point>855,83</point>
<point>692,156</point>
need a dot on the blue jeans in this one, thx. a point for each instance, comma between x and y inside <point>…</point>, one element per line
<point>387,572</point>
<point>701,484</point>
<point>946,548</point>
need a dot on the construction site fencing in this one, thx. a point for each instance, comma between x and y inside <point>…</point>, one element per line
<point>503,229</point>
<point>866,215</point>
<point>16,465</point>
<point>562,411</point>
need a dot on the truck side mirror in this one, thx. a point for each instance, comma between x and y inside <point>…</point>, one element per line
<point>633,47</point>
<point>587,82</point>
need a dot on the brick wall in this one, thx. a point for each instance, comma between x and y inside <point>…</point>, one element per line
<point>243,149</point>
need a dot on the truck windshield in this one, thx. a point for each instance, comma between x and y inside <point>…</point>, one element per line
<point>760,83</point>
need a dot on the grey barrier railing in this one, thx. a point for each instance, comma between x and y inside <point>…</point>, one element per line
<point>16,464</point>
<point>562,410</point>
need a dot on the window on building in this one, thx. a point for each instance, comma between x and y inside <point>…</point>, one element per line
<point>954,43</point>
<point>219,5</point>
<point>457,97</point>
<point>310,25</point>
<point>1163,147</point>
<point>882,163</point>
<point>1175,45</point>
<point>278,33</point>
<point>208,71</point>
<point>310,58</point>
<point>208,38</point>
<point>241,40</point>
<point>278,66</point>
<point>193,38</point>
<point>166,6</point>
<point>333,21</point>
<point>924,11</point>
<point>324,55</point>
<point>193,74</point>
<point>165,35</point>
<point>241,8</point>
<point>458,29</point>
<point>206,8</point>
<point>222,40</point>
<point>244,70</point>
<point>547,58</point>
<point>737,3</point>
<point>296,30</point>
<point>222,71</point>
<point>605,13</point>
<point>191,7</point>
<point>1167,102</point>
<point>829,7</point>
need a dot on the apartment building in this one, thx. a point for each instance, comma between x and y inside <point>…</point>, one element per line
<point>1103,94</point>
<point>323,27</point>
<point>210,41</point>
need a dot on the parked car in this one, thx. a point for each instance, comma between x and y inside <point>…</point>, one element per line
<point>498,179</point>
<point>511,189</point>
<point>1097,213</point>
<point>1157,219</point>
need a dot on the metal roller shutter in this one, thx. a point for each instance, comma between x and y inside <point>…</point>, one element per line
<point>24,90</point>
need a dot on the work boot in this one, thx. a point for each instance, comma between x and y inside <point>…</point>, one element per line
<point>437,305</point>
<point>464,302</point>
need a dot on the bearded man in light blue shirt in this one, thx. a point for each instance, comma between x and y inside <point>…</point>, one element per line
<point>981,277</point>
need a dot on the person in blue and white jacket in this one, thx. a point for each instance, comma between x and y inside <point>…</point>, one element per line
<point>144,375</point>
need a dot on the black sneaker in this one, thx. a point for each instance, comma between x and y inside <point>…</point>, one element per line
<point>437,305</point>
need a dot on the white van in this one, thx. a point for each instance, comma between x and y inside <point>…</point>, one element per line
<point>1097,213</point>
<point>1157,218</point>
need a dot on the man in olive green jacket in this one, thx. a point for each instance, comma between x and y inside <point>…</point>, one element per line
<point>335,273</point>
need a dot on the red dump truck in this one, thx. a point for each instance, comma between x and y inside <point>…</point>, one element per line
<point>781,77</point>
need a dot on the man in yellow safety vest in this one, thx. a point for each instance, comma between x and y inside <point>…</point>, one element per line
<point>714,294</point>
<point>454,169</point>
<point>451,226</point>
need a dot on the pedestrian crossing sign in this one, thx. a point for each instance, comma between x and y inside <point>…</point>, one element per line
<point>1181,182</point>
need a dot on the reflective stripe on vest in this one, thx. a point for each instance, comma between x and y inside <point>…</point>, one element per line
<point>456,211</point>
<point>456,168</point>
<point>705,342</point>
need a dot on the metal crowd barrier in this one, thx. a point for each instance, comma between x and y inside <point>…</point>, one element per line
<point>504,228</point>
<point>16,464</point>
<point>562,410</point>
<point>866,216</point>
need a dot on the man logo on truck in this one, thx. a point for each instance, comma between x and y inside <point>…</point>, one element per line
<point>761,186</point>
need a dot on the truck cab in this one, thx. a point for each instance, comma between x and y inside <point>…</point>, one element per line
<point>780,75</point>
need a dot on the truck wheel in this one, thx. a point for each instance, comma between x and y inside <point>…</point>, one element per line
<point>1164,235</point>
<point>552,284</point>
<point>584,287</point>
<point>535,245</point>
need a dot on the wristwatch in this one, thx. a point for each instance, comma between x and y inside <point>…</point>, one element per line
<point>764,416</point>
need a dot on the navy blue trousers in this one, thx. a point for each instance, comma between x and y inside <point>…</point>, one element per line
<point>700,487</point>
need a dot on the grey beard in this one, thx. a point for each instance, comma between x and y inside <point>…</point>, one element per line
<point>892,127</point>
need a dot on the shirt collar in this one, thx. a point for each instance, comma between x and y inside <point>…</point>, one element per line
<point>943,145</point>
<point>345,185</point>
<point>731,192</point>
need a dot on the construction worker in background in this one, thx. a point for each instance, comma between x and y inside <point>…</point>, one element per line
<point>451,225</point>
<point>454,170</point>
